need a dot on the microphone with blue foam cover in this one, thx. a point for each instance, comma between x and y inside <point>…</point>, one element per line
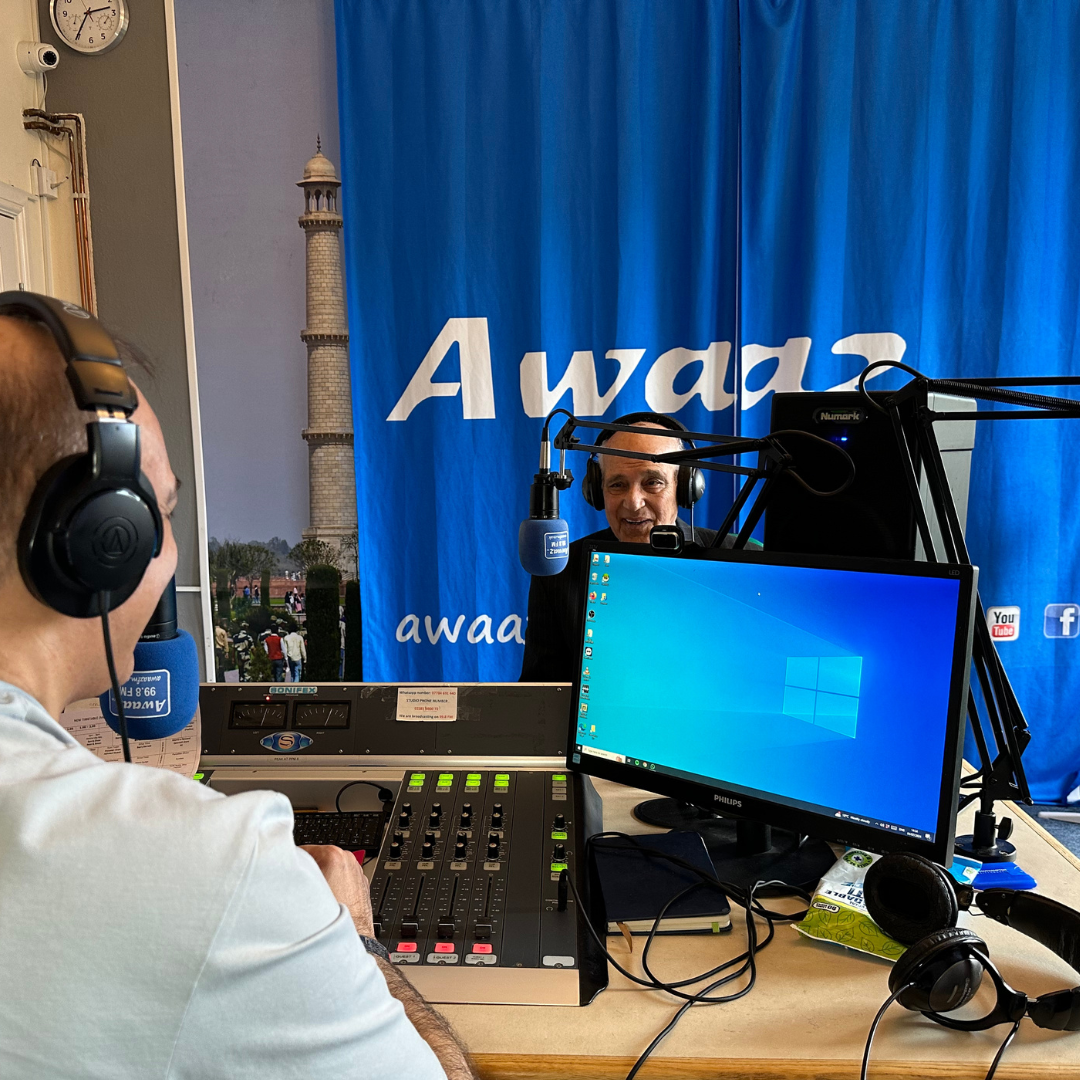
<point>162,694</point>
<point>544,538</point>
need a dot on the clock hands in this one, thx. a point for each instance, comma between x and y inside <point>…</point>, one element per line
<point>82,24</point>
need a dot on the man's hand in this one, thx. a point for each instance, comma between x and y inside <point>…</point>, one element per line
<point>347,883</point>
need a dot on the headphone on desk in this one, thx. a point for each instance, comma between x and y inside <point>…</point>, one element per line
<point>917,902</point>
<point>689,486</point>
<point>92,525</point>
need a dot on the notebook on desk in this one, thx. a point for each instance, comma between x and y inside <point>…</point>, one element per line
<point>636,885</point>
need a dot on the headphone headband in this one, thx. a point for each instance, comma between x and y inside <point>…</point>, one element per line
<point>92,524</point>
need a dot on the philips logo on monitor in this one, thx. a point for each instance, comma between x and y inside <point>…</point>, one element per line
<point>824,691</point>
<point>1061,621</point>
<point>557,546</point>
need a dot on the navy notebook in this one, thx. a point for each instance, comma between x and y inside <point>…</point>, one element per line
<point>636,884</point>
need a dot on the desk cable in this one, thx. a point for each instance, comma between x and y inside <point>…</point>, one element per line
<point>881,1012</point>
<point>744,964</point>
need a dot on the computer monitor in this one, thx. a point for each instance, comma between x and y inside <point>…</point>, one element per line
<point>818,694</point>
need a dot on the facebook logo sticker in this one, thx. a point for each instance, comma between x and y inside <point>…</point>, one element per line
<point>1061,620</point>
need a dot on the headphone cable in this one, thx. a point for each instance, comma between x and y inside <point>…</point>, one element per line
<point>874,1027</point>
<point>1002,1048</point>
<point>103,607</point>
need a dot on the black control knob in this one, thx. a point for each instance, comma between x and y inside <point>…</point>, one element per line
<point>497,816</point>
<point>429,838</point>
<point>446,929</point>
<point>436,814</point>
<point>410,927</point>
<point>560,821</point>
<point>482,931</point>
<point>398,837</point>
<point>395,849</point>
<point>405,815</point>
<point>427,850</point>
<point>377,924</point>
<point>493,849</point>
<point>459,850</point>
<point>466,815</point>
<point>559,854</point>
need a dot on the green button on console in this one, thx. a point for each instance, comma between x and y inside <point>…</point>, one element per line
<point>556,867</point>
<point>558,836</point>
<point>501,784</point>
<point>559,776</point>
<point>502,776</point>
<point>472,776</point>
<point>418,777</point>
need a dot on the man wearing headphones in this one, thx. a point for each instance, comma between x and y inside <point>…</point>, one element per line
<point>148,925</point>
<point>635,495</point>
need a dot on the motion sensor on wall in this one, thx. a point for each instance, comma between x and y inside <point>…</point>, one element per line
<point>36,58</point>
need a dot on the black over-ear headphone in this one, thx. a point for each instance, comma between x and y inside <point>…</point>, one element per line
<point>92,524</point>
<point>689,487</point>
<point>917,902</point>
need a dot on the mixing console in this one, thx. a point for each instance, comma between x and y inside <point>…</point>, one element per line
<point>467,894</point>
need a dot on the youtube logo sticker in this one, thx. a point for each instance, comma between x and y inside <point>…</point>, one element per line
<point>1004,623</point>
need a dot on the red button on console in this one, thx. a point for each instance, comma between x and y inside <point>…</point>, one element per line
<point>406,946</point>
<point>480,947</point>
<point>444,946</point>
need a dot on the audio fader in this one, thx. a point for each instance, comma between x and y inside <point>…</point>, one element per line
<point>467,894</point>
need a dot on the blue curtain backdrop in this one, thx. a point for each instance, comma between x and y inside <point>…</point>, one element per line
<point>536,196</point>
<point>602,182</point>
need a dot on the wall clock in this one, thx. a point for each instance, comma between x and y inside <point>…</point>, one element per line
<point>89,26</point>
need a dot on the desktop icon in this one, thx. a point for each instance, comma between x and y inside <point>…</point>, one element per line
<point>588,633</point>
<point>581,728</point>
<point>607,559</point>
<point>592,596</point>
<point>588,650</point>
<point>592,730</point>
<point>585,673</point>
<point>606,578</point>
<point>592,614</point>
<point>594,575</point>
<point>603,597</point>
<point>596,556</point>
<point>584,707</point>
<point>1061,621</point>
<point>585,689</point>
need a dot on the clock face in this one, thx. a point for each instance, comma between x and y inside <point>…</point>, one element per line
<point>89,26</point>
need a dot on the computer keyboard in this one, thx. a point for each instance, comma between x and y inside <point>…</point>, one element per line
<point>358,831</point>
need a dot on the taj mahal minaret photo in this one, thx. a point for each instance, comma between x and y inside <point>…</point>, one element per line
<point>329,431</point>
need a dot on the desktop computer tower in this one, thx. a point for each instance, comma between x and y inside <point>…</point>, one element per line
<point>874,517</point>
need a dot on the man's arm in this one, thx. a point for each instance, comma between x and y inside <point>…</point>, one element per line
<point>349,885</point>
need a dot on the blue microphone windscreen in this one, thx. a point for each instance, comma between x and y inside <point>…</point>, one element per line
<point>162,694</point>
<point>543,546</point>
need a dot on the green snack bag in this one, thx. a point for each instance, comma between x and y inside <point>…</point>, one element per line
<point>838,912</point>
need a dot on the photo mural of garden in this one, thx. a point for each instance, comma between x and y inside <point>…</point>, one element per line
<point>286,612</point>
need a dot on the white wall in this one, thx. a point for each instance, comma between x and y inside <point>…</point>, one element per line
<point>37,237</point>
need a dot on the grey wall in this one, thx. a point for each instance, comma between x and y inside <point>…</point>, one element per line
<point>124,96</point>
<point>257,84</point>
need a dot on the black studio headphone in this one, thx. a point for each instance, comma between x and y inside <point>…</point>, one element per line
<point>689,486</point>
<point>917,902</point>
<point>92,524</point>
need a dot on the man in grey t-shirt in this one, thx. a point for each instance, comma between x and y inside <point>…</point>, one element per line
<point>150,927</point>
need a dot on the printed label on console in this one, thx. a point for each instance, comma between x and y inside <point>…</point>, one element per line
<point>427,703</point>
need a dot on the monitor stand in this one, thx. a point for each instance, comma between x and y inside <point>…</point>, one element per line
<point>745,852</point>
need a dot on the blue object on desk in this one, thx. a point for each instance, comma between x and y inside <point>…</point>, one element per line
<point>1003,876</point>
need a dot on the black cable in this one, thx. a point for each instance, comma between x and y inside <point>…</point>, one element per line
<point>874,1027</point>
<point>913,372</point>
<point>826,442</point>
<point>103,607</point>
<point>744,964</point>
<point>1001,1049</point>
<point>385,794</point>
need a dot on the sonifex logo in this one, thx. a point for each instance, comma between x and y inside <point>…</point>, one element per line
<point>1004,623</point>
<point>1061,621</point>
<point>726,801</point>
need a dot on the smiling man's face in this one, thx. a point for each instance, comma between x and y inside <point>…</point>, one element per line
<point>639,494</point>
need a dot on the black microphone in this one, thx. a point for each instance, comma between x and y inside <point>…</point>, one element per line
<point>544,538</point>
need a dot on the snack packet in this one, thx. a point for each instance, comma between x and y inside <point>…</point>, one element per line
<point>837,910</point>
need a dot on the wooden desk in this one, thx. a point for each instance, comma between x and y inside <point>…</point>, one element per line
<point>806,1019</point>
